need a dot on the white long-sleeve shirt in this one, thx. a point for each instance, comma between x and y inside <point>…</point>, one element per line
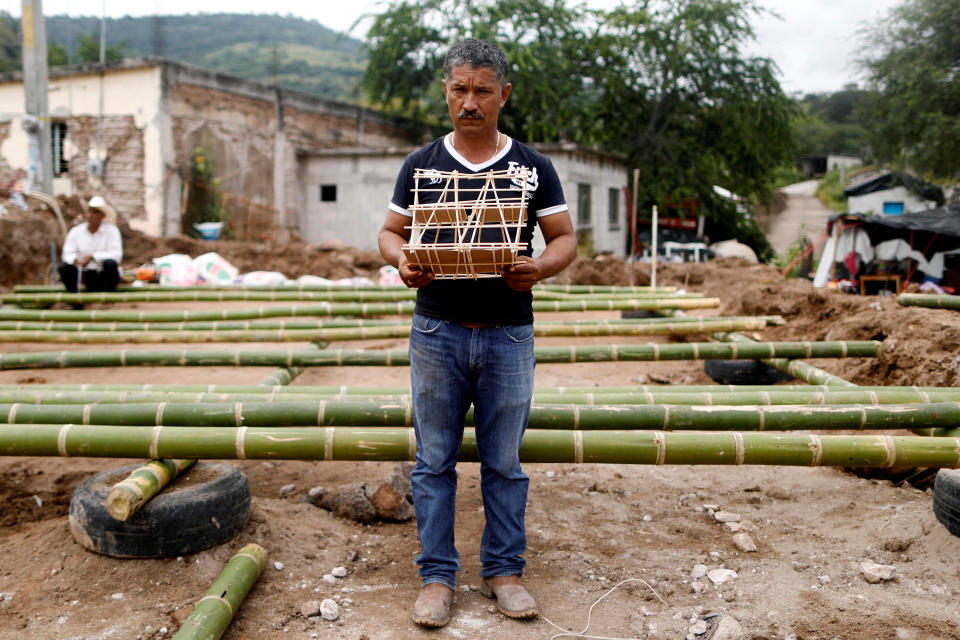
<point>105,244</point>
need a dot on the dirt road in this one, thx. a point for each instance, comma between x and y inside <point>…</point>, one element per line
<point>804,215</point>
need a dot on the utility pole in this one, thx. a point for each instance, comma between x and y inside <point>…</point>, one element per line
<point>37,119</point>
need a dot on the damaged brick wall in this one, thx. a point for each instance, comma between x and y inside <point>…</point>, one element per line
<point>238,134</point>
<point>123,172</point>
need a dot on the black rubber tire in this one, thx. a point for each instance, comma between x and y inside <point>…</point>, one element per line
<point>946,499</point>
<point>182,519</point>
<point>743,372</point>
<point>639,313</point>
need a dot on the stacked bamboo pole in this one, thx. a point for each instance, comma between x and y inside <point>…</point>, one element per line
<point>286,325</point>
<point>562,288</point>
<point>336,309</point>
<point>345,357</point>
<point>859,396</point>
<point>362,333</point>
<point>357,413</point>
<point>275,295</point>
<point>578,447</point>
<point>929,300</point>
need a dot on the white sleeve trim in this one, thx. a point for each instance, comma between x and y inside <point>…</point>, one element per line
<point>549,211</point>
<point>400,210</point>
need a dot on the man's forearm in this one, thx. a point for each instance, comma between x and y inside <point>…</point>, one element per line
<point>557,255</point>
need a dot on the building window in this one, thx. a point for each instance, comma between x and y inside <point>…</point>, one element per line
<point>583,206</point>
<point>893,208</point>
<point>613,208</point>
<point>328,193</point>
<point>58,135</point>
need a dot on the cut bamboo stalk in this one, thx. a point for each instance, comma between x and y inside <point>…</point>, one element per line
<point>666,396</point>
<point>396,391</point>
<point>130,494</point>
<point>388,358</point>
<point>365,309</point>
<point>216,609</point>
<point>398,413</point>
<point>929,300</point>
<point>285,325</point>
<point>359,333</point>
<point>574,288</point>
<point>275,295</point>
<point>370,444</point>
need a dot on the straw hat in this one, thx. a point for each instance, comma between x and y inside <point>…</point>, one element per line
<point>100,204</point>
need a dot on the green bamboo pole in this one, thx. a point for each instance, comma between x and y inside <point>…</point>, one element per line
<point>345,357</point>
<point>663,396</point>
<point>370,444</point>
<point>399,413</point>
<point>929,300</point>
<point>359,333</point>
<point>344,390</point>
<point>214,611</point>
<point>274,295</point>
<point>365,309</point>
<point>114,297</point>
<point>285,325</point>
<point>130,494</point>
<point>565,288</point>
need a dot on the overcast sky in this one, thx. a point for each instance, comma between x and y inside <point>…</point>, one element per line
<point>815,44</point>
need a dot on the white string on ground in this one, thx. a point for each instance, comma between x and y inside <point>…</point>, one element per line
<point>583,634</point>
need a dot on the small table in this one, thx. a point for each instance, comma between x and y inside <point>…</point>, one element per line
<point>893,278</point>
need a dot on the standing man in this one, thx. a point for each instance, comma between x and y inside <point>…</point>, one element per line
<point>92,251</point>
<point>471,341</point>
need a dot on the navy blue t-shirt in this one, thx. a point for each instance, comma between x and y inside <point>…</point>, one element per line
<point>487,300</point>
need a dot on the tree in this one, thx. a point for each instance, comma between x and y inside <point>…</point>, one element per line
<point>88,50</point>
<point>662,83</point>
<point>913,64</point>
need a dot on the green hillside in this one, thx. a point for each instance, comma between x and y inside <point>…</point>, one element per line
<point>291,52</point>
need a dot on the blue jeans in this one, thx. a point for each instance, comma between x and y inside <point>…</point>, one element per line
<point>450,368</point>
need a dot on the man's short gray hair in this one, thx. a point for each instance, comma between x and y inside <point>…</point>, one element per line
<point>477,53</point>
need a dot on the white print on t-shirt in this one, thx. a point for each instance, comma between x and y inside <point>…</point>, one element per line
<point>517,169</point>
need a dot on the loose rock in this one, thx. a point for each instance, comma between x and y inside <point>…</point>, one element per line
<point>699,571</point>
<point>329,609</point>
<point>339,572</point>
<point>719,576</point>
<point>874,573</point>
<point>278,566</point>
<point>723,626</point>
<point>744,542</point>
<point>287,489</point>
<point>310,608</point>
<point>391,503</point>
<point>726,516</point>
<point>350,501</point>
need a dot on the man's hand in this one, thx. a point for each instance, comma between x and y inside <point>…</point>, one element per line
<point>83,261</point>
<point>522,275</point>
<point>413,275</point>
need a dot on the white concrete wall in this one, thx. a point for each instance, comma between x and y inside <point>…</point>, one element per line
<point>364,187</point>
<point>874,201</point>
<point>847,162</point>
<point>602,174</point>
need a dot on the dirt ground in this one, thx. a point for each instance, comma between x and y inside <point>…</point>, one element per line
<point>589,526</point>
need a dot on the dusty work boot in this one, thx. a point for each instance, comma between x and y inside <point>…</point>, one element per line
<point>432,608</point>
<point>513,600</point>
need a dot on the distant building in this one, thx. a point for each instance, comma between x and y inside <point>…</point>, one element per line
<point>288,162</point>
<point>156,112</point>
<point>818,164</point>
<point>892,193</point>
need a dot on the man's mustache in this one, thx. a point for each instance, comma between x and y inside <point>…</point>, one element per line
<point>469,115</point>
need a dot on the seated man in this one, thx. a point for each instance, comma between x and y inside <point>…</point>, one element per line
<point>92,251</point>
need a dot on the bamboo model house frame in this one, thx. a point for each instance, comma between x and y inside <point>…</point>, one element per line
<point>469,206</point>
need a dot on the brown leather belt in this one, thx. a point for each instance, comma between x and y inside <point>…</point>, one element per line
<point>476,325</point>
